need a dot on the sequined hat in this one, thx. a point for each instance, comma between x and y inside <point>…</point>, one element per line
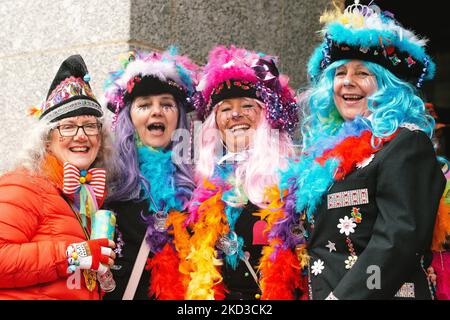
<point>237,72</point>
<point>70,93</point>
<point>145,73</point>
<point>366,33</point>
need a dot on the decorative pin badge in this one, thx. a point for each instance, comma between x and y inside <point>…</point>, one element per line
<point>298,231</point>
<point>160,221</point>
<point>348,198</point>
<point>356,215</point>
<point>331,246</point>
<point>410,61</point>
<point>229,244</point>
<point>346,226</point>
<point>364,49</point>
<point>395,60</point>
<point>350,261</point>
<point>317,267</point>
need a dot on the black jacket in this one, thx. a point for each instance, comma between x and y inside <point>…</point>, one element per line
<point>239,282</point>
<point>404,183</point>
<point>132,227</point>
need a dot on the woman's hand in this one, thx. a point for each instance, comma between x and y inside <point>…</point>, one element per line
<point>95,255</point>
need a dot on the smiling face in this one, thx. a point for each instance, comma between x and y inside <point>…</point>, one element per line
<point>237,120</point>
<point>353,83</point>
<point>155,118</point>
<point>80,150</point>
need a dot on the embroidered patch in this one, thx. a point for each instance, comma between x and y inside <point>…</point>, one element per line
<point>348,198</point>
<point>406,291</point>
<point>317,267</point>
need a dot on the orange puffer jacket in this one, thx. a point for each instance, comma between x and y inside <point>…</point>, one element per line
<point>36,226</point>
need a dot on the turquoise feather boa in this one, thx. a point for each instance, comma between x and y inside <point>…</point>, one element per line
<point>158,169</point>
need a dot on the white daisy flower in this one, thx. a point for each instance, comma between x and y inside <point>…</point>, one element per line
<point>346,225</point>
<point>350,261</point>
<point>317,267</point>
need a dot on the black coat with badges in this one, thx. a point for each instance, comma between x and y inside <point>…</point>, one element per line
<point>396,195</point>
<point>131,227</point>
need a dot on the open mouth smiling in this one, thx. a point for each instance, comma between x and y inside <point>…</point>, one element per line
<point>352,97</point>
<point>156,127</point>
<point>239,129</point>
<point>80,149</point>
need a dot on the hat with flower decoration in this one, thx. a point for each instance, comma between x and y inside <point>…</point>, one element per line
<point>70,93</point>
<point>236,72</point>
<point>146,73</point>
<point>366,33</point>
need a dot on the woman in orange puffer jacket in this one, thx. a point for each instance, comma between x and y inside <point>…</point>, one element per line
<point>45,203</point>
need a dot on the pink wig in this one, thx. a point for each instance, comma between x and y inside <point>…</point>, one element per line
<point>269,154</point>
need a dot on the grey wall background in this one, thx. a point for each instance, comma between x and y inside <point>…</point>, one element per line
<point>36,36</point>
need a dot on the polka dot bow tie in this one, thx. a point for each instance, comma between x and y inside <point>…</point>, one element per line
<point>74,178</point>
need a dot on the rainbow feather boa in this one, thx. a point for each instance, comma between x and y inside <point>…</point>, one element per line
<point>280,274</point>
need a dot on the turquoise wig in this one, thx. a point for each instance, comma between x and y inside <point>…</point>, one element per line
<point>395,102</point>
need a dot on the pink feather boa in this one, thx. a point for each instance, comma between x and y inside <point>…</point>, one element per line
<point>441,266</point>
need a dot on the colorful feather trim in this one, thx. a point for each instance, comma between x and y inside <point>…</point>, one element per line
<point>281,276</point>
<point>169,268</point>
<point>442,226</point>
<point>280,267</point>
<point>210,225</point>
<point>332,165</point>
<point>176,228</point>
<point>166,282</point>
<point>441,266</point>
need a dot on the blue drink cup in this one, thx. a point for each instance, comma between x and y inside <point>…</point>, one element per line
<point>103,223</point>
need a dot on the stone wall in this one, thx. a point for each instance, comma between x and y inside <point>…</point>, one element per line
<point>36,36</point>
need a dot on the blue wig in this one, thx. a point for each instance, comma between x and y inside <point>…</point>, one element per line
<point>394,103</point>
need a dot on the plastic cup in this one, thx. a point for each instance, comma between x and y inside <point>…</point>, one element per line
<point>103,223</point>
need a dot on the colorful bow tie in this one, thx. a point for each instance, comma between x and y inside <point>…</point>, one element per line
<point>74,178</point>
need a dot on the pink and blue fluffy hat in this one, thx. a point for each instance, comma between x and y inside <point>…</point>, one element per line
<point>366,33</point>
<point>145,73</point>
<point>236,72</point>
<point>69,94</point>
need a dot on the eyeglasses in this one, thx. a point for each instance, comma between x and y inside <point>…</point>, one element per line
<point>71,130</point>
